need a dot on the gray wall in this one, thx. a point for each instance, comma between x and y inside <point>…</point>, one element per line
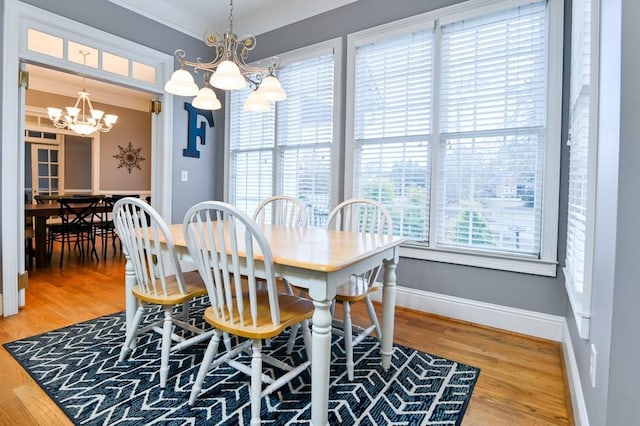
<point>77,163</point>
<point>201,171</point>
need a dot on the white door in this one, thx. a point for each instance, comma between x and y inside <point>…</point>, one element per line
<point>47,175</point>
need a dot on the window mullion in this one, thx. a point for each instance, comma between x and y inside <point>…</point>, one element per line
<point>434,221</point>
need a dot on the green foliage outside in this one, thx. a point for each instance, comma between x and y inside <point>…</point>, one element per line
<point>406,206</point>
<point>471,227</point>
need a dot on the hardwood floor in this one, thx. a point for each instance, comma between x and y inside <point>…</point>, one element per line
<point>521,380</point>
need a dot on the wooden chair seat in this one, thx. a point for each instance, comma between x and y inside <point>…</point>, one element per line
<point>293,310</point>
<point>194,287</point>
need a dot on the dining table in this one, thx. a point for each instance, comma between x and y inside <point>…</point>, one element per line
<point>318,260</point>
<point>40,213</point>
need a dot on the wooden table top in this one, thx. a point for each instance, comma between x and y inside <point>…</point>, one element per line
<point>313,248</point>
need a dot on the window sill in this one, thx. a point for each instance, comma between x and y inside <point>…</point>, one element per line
<point>503,263</point>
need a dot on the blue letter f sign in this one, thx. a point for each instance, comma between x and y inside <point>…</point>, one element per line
<point>196,131</point>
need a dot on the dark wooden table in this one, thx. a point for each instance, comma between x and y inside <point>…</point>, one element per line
<point>40,213</point>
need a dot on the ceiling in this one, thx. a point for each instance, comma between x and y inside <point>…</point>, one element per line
<point>192,17</point>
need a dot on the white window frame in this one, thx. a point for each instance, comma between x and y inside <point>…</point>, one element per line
<point>546,265</point>
<point>329,46</point>
<point>581,301</point>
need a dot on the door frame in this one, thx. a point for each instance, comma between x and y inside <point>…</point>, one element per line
<point>18,18</point>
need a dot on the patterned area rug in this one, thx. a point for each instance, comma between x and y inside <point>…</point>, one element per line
<point>78,368</point>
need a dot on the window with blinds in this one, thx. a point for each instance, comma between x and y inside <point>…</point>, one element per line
<point>392,128</point>
<point>582,147</point>
<point>492,117</point>
<point>451,127</point>
<point>286,151</point>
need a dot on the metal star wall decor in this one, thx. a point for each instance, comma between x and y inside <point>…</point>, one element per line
<point>129,157</point>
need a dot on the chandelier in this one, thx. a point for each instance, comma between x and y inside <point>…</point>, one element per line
<point>82,118</point>
<point>228,70</point>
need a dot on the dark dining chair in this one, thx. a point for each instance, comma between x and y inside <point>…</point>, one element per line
<point>76,226</point>
<point>103,226</point>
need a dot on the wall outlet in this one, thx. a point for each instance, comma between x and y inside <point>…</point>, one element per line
<point>184,177</point>
<point>592,366</point>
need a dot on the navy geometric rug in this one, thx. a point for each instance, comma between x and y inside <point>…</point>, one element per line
<point>77,366</point>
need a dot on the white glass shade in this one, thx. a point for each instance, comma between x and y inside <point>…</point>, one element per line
<point>73,111</point>
<point>83,129</point>
<point>228,77</point>
<point>272,90</point>
<point>96,114</point>
<point>256,103</point>
<point>181,84</point>
<point>54,113</point>
<point>206,100</point>
<point>110,119</point>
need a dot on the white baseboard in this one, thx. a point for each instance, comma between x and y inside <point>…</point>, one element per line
<point>580,416</point>
<point>531,323</point>
<point>1,306</point>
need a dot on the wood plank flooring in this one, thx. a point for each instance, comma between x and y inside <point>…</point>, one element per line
<point>522,379</point>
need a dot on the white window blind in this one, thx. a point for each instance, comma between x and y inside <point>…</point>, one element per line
<point>286,151</point>
<point>478,89</point>
<point>582,144</point>
<point>252,141</point>
<point>492,140</point>
<point>392,128</point>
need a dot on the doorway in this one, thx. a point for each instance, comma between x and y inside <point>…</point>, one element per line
<point>21,21</point>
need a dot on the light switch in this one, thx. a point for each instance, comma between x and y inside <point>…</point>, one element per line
<point>185,176</point>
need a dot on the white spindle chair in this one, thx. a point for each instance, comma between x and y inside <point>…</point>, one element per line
<point>366,216</point>
<point>232,256</point>
<point>149,247</point>
<point>281,210</point>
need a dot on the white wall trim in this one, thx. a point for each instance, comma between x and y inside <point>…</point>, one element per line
<point>578,404</point>
<point>531,323</point>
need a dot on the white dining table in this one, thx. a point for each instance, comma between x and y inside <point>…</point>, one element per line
<point>318,260</point>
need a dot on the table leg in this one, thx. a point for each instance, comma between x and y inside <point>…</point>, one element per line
<point>321,347</point>
<point>41,241</point>
<point>388,311</point>
<point>131,303</point>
